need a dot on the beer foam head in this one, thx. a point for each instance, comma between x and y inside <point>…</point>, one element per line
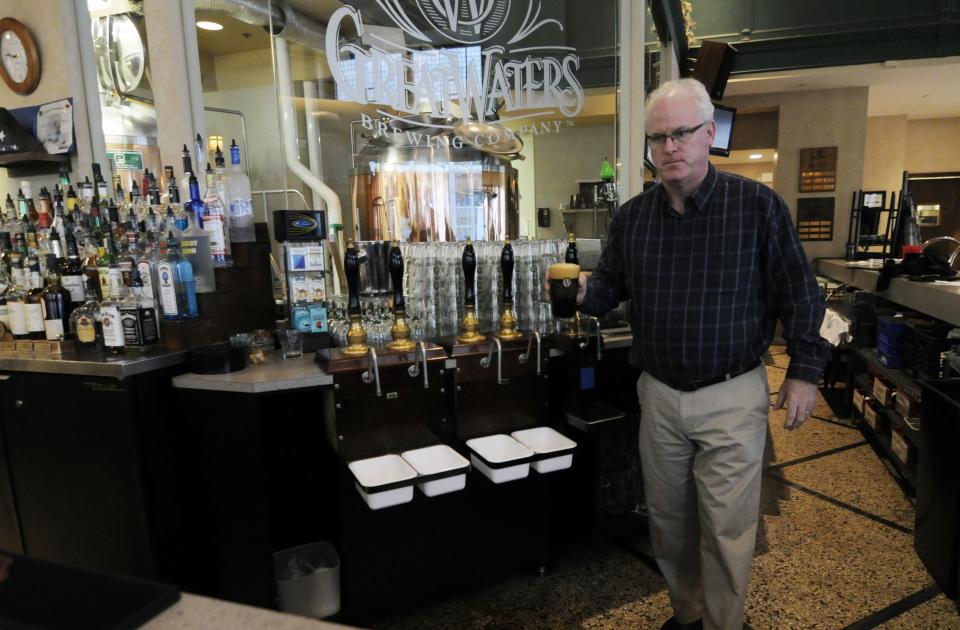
<point>564,271</point>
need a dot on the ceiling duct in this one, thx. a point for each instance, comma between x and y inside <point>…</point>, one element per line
<point>287,22</point>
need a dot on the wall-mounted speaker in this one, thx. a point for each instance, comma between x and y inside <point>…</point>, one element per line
<point>713,66</point>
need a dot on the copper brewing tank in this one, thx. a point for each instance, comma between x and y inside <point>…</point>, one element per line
<point>434,194</point>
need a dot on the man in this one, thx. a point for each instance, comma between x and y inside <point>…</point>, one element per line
<point>710,261</point>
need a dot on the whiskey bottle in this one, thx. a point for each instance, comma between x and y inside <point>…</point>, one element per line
<point>71,271</point>
<point>56,306</point>
<point>85,320</point>
<point>33,308</point>
<point>113,337</point>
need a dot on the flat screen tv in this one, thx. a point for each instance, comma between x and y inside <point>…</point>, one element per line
<point>723,116</point>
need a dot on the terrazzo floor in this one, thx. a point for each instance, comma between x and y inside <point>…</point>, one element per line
<point>834,550</point>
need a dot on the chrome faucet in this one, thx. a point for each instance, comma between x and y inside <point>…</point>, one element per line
<point>372,362</point>
<point>525,356</point>
<point>583,344</point>
<point>485,362</point>
<point>414,370</point>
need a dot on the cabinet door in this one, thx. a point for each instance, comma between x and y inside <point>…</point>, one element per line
<point>73,451</point>
<point>9,523</point>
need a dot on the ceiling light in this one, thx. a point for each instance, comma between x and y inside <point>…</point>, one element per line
<point>756,156</point>
<point>209,26</point>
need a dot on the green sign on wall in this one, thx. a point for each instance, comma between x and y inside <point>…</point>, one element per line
<point>126,160</point>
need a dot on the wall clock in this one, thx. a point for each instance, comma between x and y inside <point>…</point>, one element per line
<point>19,57</point>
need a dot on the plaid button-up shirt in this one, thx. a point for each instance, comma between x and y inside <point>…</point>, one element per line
<point>707,286</point>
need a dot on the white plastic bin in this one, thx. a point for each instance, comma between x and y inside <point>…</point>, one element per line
<point>542,440</point>
<point>492,456</point>
<point>437,460</point>
<point>308,579</point>
<point>378,479</point>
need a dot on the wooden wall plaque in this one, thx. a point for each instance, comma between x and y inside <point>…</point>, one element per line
<point>818,169</point>
<point>815,218</point>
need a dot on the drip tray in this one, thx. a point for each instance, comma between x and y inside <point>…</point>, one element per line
<point>593,417</point>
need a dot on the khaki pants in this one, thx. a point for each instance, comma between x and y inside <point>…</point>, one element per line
<point>702,455</point>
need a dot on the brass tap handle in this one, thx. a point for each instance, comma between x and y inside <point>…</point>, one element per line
<point>506,270</point>
<point>351,266</point>
<point>469,262</point>
<point>396,276</point>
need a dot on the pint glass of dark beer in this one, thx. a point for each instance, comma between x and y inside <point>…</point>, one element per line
<point>564,281</point>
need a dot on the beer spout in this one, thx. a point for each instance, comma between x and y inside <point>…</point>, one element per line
<point>524,357</point>
<point>485,361</point>
<point>414,370</point>
<point>372,365</point>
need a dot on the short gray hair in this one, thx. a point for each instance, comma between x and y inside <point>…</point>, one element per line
<point>689,89</point>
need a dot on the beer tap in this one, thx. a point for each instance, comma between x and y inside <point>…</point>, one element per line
<point>356,335</point>
<point>400,331</point>
<point>572,256</point>
<point>471,325</point>
<point>508,321</point>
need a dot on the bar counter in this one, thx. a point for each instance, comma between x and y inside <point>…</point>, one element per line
<point>936,299</point>
<point>128,364</point>
<point>195,611</point>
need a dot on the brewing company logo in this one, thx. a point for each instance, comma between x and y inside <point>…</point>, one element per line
<point>466,21</point>
<point>512,74</point>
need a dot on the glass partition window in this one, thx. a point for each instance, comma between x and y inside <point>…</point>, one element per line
<point>436,121</point>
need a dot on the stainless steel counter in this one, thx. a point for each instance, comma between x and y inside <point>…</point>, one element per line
<point>129,363</point>
<point>936,299</point>
<point>278,374</point>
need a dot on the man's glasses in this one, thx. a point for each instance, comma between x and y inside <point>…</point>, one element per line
<point>679,136</point>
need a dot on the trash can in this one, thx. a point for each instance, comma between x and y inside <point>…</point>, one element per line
<point>308,579</point>
<point>937,530</point>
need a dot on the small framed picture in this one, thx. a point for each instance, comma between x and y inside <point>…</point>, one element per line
<point>873,199</point>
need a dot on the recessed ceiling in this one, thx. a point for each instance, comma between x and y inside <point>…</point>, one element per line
<point>743,157</point>
<point>235,37</point>
<point>919,88</point>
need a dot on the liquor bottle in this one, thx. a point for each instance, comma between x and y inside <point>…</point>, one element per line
<point>71,271</point>
<point>87,194</point>
<point>85,320</point>
<point>9,213</point>
<point>187,162</point>
<point>6,252</point>
<point>147,265</point>
<point>16,303</point>
<point>178,299</point>
<point>71,199</point>
<point>102,191</point>
<point>571,256</point>
<point>91,254</point>
<point>63,179</point>
<point>195,242</point>
<point>113,338</point>
<point>107,258</point>
<point>56,307</point>
<point>129,307</point>
<point>27,207</point>
<point>214,222</point>
<point>33,308</point>
<point>130,251</point>
<point>44,209</point>
<point>138,312</point>
<point>240,200</point>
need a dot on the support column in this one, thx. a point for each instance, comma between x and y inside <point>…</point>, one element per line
<point>630,132</point>
<point>175,72</point>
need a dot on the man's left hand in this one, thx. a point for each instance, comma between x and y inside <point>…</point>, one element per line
<point>800,398</point>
